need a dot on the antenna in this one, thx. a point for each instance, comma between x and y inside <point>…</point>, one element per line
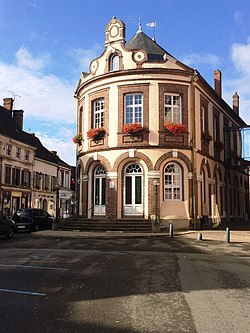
<point>14,97</point>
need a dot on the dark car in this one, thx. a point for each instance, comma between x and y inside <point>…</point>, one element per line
<point>7,226</point>
<point>32,219</point>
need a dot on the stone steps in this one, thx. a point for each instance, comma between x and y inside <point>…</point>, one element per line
<point>124,225</point>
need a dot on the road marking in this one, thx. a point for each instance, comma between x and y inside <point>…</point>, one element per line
<point>22,292</point>
<point>36,267</point>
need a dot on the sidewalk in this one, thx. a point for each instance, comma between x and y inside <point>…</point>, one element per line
<point>207,235</point>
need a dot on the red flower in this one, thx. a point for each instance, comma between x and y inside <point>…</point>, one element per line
<point>175,129</point>
<point>132,129</point>
<point>77,138</point>
<point>96,133</point>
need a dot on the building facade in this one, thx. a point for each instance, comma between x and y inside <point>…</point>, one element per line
<point>156,141</point>
<point>30,174</point>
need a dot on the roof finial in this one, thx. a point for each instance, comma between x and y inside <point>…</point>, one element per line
<point>139,28</point>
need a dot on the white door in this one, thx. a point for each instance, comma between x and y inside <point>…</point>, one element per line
<point>99,191</point>
<point>133,192</point>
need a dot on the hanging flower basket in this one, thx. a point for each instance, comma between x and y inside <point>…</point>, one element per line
<point>175,129</point>
<point>77,139</point>
<point>96,134</point>
<point>132,129</point>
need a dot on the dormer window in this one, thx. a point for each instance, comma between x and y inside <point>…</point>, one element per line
<point>114,62</point>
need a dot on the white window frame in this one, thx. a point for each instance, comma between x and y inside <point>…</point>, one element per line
<point>174,112</point>
<point>174,184</point>
<point>133,111</point>
<point>98,112</point>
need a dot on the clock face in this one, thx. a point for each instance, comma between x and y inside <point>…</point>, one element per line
<point>114,31</point>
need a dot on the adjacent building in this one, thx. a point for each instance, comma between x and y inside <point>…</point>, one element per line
<point>155,140</point>
<point>29,173</point>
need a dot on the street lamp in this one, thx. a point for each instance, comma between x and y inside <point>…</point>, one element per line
<point>57,188</point>
<point>156,222</point>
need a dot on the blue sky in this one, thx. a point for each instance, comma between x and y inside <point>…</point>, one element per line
<point>46,44</point>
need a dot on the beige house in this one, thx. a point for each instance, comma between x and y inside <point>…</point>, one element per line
<point>170,153</point>
<point>29,172</point>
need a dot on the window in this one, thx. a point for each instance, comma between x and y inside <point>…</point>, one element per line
<point>114,63</point>
<point>133,109</point>
<point>18,152</point>
<point>16,176</point>
<point>7,174</point>
<point>172,182</point>
<point>98,112</point>
<point>25,177</point>
<point>8,150</point>
<point>172,108</point>
<point>27,155</point>
<point>203,127</point>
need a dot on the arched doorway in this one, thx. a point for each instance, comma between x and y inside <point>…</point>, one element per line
<point>99,190</point>
<point>133,190</point>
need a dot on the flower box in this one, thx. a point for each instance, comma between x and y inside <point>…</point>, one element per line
<point>218,145</point>
<point>175,129</point>
<point>77,139</point>
<point>96,134</point>
<point>133,129</point>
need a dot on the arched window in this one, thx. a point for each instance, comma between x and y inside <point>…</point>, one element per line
<point>172,182</point>
<point>114,62</point>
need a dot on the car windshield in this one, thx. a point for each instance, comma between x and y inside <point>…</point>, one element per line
<point>24,213</point>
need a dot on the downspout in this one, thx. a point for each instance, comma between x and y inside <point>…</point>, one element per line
<point>194,79</point>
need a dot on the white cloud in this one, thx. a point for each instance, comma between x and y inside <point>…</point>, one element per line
<point>27,61</point>
<point>196,59</point>
<point>63,145</point>
<point>84,57</point>
<point>240,56</point>
<point>43,97</point>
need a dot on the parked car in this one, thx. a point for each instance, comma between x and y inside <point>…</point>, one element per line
<point>7,226</point>
<point>32,219</point>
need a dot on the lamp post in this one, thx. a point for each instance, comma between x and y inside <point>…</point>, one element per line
<point>56,223</point>
<point>156,221</point>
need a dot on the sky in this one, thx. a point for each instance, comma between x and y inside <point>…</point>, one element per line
<point>46,44</point>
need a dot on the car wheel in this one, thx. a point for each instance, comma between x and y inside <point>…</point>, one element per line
<point>10,233</point>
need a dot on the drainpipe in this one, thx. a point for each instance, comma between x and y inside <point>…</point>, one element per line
<point>194,79</point>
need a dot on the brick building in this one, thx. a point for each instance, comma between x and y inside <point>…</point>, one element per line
<point>170,151</point>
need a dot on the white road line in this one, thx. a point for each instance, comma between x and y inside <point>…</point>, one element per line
<point>22,292</point>
<point>36,267</point>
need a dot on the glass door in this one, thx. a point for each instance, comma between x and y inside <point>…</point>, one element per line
<point>133,190</point>
<point>99,191</point>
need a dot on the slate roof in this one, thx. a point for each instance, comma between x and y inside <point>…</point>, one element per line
<point>10,128</point>
<point>140,41</point>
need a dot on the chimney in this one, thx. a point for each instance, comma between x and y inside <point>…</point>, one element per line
<point>217,81</point>
<point>8,105</point>
<point>54,152</point>
<point>18,117</point>
<point>236,99</point>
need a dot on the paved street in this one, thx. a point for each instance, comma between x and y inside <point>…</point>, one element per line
<point>130,285</point>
